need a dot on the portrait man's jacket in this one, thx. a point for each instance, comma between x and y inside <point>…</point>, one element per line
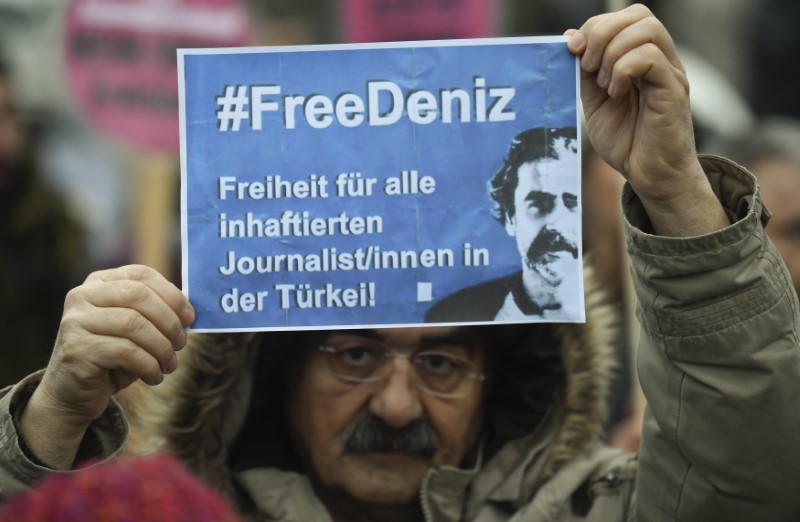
<point>482,302</point>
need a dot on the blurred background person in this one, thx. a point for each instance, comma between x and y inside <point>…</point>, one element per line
<point>772,152</point>
<point>156,488</point>
<point>42,253</point>
<point>774,46</point>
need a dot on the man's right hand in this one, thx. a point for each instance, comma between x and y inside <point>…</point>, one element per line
<point>120,325</point>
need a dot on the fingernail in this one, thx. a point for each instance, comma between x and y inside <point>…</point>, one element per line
<point>612,89</point>
<point>180,342</point>
<point>172,365</point>
<point>577,41</point>
<point>601,77</point>
<point>187,315</point>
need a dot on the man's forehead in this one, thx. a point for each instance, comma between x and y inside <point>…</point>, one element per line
<point>552,176</point>
<point>409,336</point>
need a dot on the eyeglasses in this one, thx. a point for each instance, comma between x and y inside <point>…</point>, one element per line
<point>443,372</point>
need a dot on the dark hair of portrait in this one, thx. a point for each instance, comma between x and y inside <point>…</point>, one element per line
<point>528,146</point>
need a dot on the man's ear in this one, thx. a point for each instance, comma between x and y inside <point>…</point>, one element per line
<point>511,225</point>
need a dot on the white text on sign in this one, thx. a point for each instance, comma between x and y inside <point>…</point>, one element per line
<point>386,104</point>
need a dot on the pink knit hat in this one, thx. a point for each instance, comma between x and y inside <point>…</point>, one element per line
<point>132,489</point>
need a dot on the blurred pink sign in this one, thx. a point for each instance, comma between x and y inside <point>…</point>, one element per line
<point>122,66</point>
<point>397,20</point>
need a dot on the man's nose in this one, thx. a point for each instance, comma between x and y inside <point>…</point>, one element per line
<point>397,400</point>
<point>564,221</point>
<point>559,213</point>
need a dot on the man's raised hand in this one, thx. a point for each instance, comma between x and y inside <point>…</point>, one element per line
<point>635,98</point>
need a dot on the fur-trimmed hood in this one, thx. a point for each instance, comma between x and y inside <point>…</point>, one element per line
<point>549,389</point>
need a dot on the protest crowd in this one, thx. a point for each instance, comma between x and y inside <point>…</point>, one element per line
<point>673,401</point>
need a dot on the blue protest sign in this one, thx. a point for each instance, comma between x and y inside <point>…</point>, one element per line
<point>381,184</point>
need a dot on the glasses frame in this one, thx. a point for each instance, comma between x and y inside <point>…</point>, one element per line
<point>391,354</point>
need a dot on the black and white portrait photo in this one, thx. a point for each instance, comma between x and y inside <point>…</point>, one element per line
<point>535,195</point>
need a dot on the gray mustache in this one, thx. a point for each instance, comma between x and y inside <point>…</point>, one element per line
<point>369,434</point>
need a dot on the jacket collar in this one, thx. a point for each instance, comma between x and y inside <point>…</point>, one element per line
<point>199,412</point>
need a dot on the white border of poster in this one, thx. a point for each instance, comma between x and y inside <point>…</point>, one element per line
<point>348,186</point>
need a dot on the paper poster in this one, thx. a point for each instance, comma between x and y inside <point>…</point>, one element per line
<point>381,184</point>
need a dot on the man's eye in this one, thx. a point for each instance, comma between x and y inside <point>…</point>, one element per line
<point>436,363</point>
<point>356,356</point>
<point>570,200</point>
<point>541,204</point>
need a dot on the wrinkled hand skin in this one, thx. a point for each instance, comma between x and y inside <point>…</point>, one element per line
<point>635,97</point>
<point>119,326</point>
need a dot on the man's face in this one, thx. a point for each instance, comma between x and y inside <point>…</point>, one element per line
<point>326,414</point>
<point>780,187</point>
<point>545,219</point>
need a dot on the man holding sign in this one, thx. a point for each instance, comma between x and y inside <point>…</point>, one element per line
<point>474,423</point>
